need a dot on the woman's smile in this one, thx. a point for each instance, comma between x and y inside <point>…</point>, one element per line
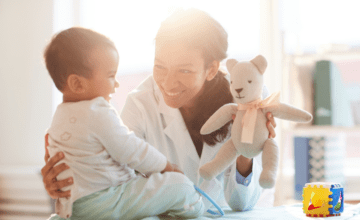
<point>180,73</point>
<point>173,94</point>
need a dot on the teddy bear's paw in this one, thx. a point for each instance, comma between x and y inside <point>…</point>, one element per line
<point>267,180</point>
<point>205,172</point>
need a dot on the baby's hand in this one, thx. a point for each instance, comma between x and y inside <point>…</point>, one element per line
<point>168,167</point>
<point>177,169</point>
<point>171,168</point>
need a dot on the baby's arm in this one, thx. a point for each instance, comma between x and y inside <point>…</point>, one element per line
<point>288,112</point>
<point>132,118</point>
<point>124,146</point>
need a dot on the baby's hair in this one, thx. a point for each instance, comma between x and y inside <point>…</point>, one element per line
<point>67,53</point>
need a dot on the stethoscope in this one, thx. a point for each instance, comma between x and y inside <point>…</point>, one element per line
<point>221,212</point>
<point>191,206</point>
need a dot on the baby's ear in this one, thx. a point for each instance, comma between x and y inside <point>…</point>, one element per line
<point>76,83</point>
<point>230,63</point>
<point>260,63</point>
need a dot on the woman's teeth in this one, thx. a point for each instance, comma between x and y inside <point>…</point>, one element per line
<point>173,94</point>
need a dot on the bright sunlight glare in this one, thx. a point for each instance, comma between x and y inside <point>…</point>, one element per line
<point>132,25</point>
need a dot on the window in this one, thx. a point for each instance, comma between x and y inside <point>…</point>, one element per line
<point>132,25</point>
<point>309,24</point>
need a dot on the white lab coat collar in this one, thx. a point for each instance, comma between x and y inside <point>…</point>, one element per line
<point>173,123</point>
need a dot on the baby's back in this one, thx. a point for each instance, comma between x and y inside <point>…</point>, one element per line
<point>91,166</point>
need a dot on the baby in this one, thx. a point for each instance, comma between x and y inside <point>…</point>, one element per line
<point>101,152</point>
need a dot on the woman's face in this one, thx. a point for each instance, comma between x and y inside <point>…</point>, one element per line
<point>180,73</point>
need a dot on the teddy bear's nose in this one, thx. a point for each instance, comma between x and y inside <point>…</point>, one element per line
<point>238,90</point>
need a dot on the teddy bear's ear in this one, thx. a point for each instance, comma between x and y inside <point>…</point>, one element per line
<point>260,63</point>
<point>230,63</point>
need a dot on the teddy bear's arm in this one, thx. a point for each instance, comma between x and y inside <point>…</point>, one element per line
<point>219,118</point>
<point>288,112</point>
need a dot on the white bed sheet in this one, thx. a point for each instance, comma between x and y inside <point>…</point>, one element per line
<point>289,212</point>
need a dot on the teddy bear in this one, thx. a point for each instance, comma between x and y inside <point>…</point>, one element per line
<point>249,134</point>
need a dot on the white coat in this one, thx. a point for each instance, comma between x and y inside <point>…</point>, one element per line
<point>147,115</point>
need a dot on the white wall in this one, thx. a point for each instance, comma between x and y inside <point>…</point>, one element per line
<point>25,87</point>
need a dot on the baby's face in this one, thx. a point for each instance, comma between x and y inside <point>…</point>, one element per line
<point>104,64</point>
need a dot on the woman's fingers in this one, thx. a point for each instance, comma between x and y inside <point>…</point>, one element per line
<point>53,173</point>
<point>271,124</point>
<point>59,194</point>
<point>47,155</point>
<point>50,172</point>
<point>50,164</point>
<point>47,140</point>
<point>270,117</point>
<point>53,186</point>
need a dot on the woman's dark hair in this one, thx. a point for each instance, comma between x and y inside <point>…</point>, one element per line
<point>216,94</point>
<point>67,53</point>
<point>199,30</point>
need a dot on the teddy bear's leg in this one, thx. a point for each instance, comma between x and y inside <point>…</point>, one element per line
<point>270,160</point>
<point>223,159</point>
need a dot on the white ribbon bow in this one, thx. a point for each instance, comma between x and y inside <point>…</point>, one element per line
<point>249,119</point>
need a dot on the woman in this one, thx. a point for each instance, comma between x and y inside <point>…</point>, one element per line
<point>171,105</point>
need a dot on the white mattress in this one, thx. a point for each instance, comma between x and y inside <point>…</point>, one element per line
<point>288,212</point>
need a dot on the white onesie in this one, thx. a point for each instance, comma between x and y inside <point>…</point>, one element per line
<point>99,149</point>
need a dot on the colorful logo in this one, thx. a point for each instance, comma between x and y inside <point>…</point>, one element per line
<point>315,202</point>
<point>338,205</point>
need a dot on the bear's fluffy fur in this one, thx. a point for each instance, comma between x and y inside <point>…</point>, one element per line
<point>246,83</point>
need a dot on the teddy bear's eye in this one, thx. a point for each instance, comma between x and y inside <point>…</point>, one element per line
<point>249,81</point>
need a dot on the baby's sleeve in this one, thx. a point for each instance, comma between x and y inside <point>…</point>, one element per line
<point>123,145</point>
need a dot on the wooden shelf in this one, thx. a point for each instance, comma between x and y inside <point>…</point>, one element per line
<point>316,129</point>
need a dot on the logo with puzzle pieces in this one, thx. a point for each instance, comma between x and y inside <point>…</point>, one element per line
<point>321,199</point>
